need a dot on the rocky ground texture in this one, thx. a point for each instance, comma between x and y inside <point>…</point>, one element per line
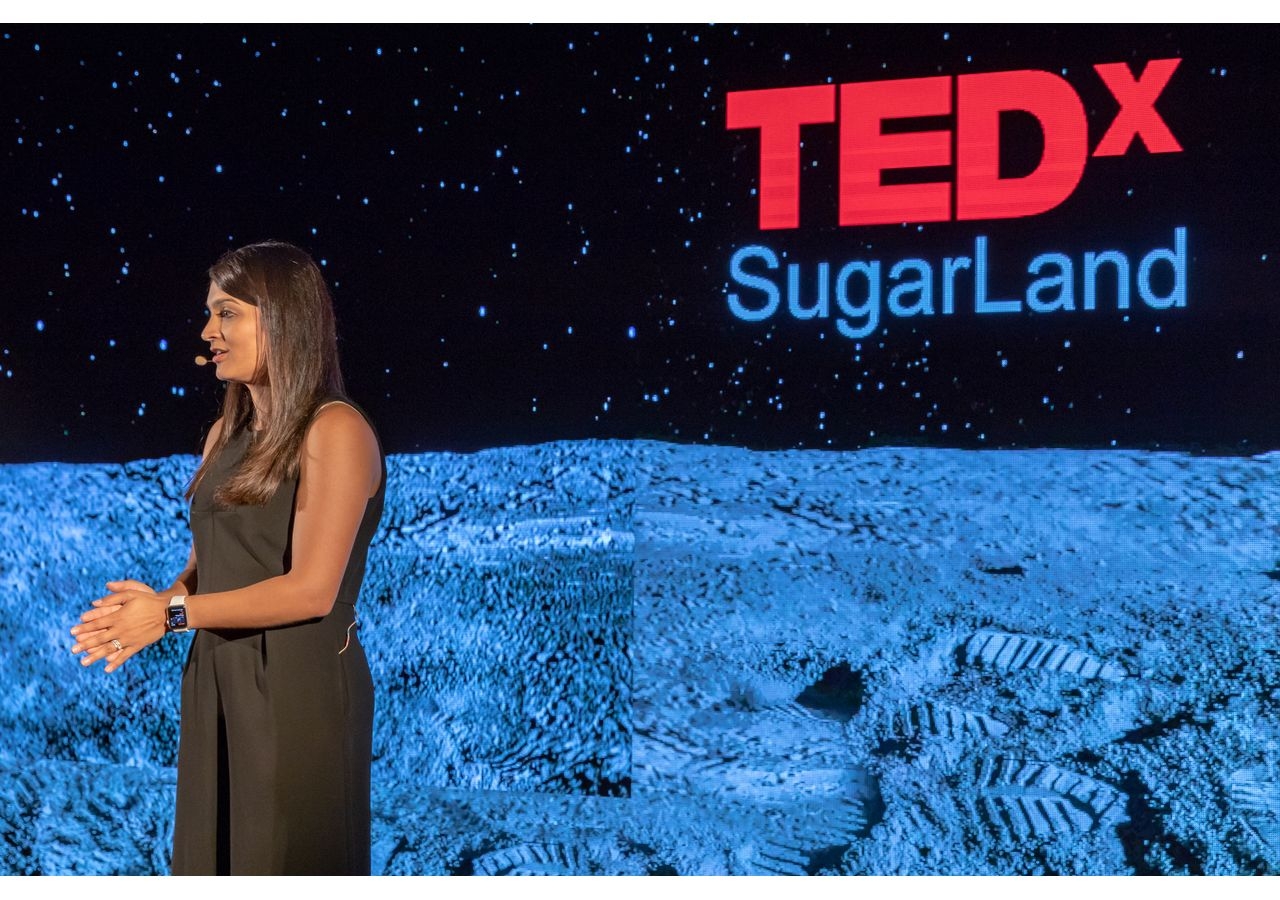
<point>637,657</point>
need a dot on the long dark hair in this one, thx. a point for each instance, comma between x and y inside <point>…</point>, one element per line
<point>299,336</point>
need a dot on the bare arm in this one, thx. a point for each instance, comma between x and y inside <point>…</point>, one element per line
<point>340,471</point>
<point>186,582</point>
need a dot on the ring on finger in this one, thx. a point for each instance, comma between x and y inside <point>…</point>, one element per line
<point>116,643</point>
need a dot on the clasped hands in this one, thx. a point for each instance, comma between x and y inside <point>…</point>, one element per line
<point>132,614</point>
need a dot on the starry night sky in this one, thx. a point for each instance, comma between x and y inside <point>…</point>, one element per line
<point>528,233</point>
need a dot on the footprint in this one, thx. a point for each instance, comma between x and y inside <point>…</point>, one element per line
<point>1037,799</point>
<point>931,718</point>
<point>534,859</point>
<point>1002,650</point>
<point>1257,798</point>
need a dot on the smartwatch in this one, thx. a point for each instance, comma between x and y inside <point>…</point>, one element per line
<point>176,615</point>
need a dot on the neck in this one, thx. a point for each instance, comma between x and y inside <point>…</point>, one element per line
<point>261,397</point>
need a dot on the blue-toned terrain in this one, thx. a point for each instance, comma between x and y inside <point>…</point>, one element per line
<point>636,657</point>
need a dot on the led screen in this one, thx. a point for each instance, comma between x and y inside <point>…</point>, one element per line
<point>811,450</point>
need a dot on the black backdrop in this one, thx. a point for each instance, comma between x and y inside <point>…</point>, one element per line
<point>579,185</point>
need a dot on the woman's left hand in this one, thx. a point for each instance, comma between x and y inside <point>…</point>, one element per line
<point>134,616</point>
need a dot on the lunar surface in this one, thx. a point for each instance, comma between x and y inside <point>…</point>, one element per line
<point>636,657</point>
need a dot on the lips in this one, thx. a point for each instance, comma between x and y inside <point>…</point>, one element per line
<point>219,356</point>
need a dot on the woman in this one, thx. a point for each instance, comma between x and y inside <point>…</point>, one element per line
<point>277,702</point>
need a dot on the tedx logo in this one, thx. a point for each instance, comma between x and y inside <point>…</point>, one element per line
<point>971,148</point>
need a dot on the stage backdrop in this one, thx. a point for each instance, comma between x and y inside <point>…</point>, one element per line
<point>812,450</point>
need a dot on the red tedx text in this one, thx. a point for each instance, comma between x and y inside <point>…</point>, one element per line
<point>978,192</point>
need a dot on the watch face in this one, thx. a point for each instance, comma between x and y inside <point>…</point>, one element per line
<point>177,618</point>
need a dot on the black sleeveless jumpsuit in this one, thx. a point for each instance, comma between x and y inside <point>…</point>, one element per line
<point>277,724</point>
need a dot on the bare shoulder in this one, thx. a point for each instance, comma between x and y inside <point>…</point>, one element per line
<point>340,442</point>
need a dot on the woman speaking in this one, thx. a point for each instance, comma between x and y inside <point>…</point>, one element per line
<point>277,701</point>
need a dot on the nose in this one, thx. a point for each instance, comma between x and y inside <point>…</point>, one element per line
<point>210,330</point>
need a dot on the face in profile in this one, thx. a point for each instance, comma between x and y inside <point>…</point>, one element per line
<point>234,338</point>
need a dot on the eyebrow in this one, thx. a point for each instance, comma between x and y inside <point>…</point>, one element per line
<point>219,301</point>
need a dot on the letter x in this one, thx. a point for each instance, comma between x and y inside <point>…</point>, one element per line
<point>1137,117</point>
